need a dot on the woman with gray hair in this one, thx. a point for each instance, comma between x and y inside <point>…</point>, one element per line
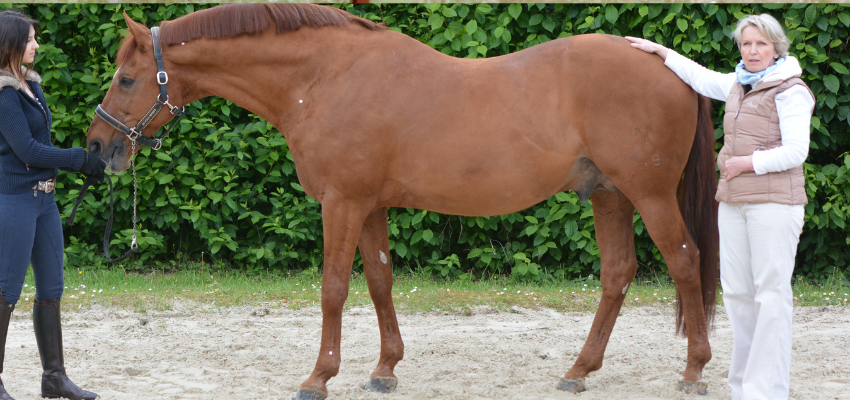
<point>761,196</point>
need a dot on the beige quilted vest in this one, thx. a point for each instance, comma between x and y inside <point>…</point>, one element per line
<point>751,123</point>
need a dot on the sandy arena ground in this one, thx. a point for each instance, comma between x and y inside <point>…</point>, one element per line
<point>203,352</point>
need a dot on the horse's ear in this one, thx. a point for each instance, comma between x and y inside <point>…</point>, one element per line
<point>141,34</point>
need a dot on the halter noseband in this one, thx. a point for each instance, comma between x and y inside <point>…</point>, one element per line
<point>135,133</point>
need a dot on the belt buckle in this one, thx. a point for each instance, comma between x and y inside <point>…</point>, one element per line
<point>46,186</point>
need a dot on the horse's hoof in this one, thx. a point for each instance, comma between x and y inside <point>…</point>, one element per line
<point>572,386</point>
<point>699,387</point>
<point>309,394</point>
<point>380,384</point>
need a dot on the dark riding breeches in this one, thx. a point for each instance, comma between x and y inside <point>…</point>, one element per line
<point>30,233</point>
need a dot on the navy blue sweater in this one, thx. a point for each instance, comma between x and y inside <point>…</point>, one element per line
<point>27,154</point>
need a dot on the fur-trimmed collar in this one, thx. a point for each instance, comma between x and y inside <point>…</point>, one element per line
<point>7,79</point>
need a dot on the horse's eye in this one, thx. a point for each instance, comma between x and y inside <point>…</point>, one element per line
<point>125,81</point>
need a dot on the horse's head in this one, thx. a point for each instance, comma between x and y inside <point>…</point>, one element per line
<point>135,88</point>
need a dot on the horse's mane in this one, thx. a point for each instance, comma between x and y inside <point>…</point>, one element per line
<point>230,20</point>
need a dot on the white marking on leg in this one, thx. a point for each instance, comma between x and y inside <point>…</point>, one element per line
<point>383,256</point>
<point>625,288</point>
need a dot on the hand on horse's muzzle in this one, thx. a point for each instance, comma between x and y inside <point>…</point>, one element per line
<point>93,168</point>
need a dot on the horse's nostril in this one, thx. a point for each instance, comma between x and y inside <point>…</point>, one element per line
<point>95,147</point>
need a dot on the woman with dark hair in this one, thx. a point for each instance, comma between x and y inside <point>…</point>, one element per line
<point>30,227</point>
<point>761,195</point>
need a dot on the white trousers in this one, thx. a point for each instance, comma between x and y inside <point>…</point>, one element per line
<point>758,243</point>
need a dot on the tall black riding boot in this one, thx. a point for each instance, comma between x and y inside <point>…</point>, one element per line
<point>5,315</point>
<point>48,334</point>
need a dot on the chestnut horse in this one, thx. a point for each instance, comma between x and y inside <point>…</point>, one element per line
<point>376,119</point>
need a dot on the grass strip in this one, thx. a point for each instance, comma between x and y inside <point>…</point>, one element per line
<point>163,291</point>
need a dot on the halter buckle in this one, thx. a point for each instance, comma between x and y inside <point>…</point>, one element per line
<point>134,134</point>
<point>161,77</point>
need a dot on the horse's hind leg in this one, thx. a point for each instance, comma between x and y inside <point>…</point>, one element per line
<point>375,251</point>
<point>342,222</point>
<point>613,214</point>
<point>664,223</point>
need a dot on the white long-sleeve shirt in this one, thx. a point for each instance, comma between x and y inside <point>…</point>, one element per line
<point>794,107</point>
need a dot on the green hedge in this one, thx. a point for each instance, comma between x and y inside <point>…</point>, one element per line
<point>224,188</point>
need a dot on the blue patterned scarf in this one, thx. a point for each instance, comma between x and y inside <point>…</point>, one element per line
<point>749,78</point>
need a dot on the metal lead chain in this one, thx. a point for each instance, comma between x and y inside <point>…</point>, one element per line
<point>133,243</point>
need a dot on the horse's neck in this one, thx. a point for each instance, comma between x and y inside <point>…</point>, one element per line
<point>269,74</point>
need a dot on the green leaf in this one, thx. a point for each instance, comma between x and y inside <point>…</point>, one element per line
<point>484,8</point>
<point>837,220</point>
<point>436,21</point>
<point>400,249</point>
<point>844,17</point>
<point>427,235</point>
<point>549,24</point>
<point>515,10</point>
<point>471,27</point>
<point>831,82</point>
<point>643,10</point>
<point>216,197</point>
<point>611,14</point>
<point>682,24</point>
<point>840,68</point>
<point>165,179</point>
<point>417,236</point>
<point>811,14</point>
<point>535,19</point>
<point>531,219</point>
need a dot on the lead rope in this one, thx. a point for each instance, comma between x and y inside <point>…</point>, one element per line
<point>134,246</point>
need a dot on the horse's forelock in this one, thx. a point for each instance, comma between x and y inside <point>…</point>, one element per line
<point>231,20</point>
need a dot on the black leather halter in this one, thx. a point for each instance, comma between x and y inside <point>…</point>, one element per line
<point>135,133</point>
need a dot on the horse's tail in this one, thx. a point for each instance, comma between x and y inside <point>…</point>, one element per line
<point>699,210</point>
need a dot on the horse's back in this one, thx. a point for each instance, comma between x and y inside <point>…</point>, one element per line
<point>493,136</point>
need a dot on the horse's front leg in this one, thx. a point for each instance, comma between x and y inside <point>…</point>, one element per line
<point>342,222</point>
<point>613,214</point>
<point>375,251</point>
